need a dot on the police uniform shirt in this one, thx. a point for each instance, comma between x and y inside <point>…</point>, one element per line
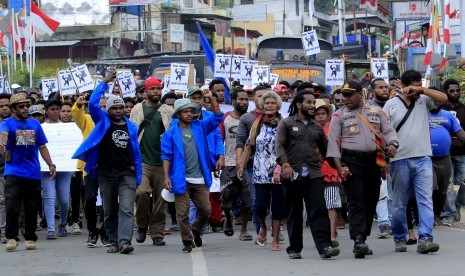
<point>354,133</point>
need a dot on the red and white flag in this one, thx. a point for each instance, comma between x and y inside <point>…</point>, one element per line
<point>429,43</point>
<point>42,21</point>
<point>447,15</point>
<point>370,5</point>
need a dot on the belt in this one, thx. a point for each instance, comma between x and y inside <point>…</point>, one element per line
<point>359,154</point>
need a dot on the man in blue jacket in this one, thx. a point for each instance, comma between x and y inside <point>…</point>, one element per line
<point>112,151</point>
<point>187,166</point>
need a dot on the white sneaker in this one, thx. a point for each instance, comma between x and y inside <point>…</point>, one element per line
<point>11,245</point>
<point>76,230</point>
<point>31,245</point>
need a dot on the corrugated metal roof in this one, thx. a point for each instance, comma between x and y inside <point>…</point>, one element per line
<point>57,43</point>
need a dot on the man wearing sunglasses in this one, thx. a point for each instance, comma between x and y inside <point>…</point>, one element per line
<point>338,99</point>
<point>360,125</point>
<point>454,203</point>
<point>21,141</point>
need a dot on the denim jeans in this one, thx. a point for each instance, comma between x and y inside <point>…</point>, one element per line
<point>407,174</point>
<point>52,189</point>
<point>249,177</point>
<point>382,210</point>
<point>458,177</point>
<point>118,197</point>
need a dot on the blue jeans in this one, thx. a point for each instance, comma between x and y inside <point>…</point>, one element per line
<point>249,177</point>
<point>382,210</point>
<point>53,189</point>
<point>407,174</point>
<point>455,201</point>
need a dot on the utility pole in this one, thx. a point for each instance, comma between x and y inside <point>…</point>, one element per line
<point>341,25</point>
<point>284,17</point>
<point>462,29</point>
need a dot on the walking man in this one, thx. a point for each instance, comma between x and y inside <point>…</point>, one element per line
<point>412,168</point>
<point>299,139</point>
<point>113,146</point>
<point>21,140</point>
<point>187,167</point>
<point>152,123</point>
<point>365,131</point>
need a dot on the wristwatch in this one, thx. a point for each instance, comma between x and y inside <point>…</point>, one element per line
<point>395,144</point>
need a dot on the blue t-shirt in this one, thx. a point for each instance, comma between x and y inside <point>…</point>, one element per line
<point>24,139</point>
<point>443,125</point>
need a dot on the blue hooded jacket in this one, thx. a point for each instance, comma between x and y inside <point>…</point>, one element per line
<point>173,151</point>
<point>88,151</point>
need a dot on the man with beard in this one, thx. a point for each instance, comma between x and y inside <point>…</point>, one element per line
<point>152,119</point>
<point>232,187</point>
<point>454,202</point>
<point>381,93</point>
<point>217,86</point>
<point>412,169</point>
<point>299,141</point>
<point>362,128</point>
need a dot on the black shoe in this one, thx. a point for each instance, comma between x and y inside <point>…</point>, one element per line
<point>360,247</point>
<point>92,241</point>
<point>329,252</point>
<point>141,235</point>
<point>43,223</point>
<point>187,248</point>
<point>105,241</point>
<point>126,249</point>
<point>158,242</point>
<point>294,255</point>
<point>197,238</point>
<point>411,241</point>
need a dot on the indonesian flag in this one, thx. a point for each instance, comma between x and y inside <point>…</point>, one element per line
<point>22,34</point>
<point>42,21</point>
<point>17,40</point>
<point>447,15</point>
<point>429,43</point>
<point>369,5</point>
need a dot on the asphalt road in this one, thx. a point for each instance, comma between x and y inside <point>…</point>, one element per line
<point>225,256</point>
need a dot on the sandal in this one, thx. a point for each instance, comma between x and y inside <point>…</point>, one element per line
<point>260,240</point>
<point>113,249</point>
<point>276,247</point>
<point>245,237</point>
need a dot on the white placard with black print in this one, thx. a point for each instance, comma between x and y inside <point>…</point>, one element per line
<point>222,66</point>
<point>310,43</point>
<point>82,78</point>
<point>246,71</point>
<point>179,78</point>
<point>126,83</point>
<point>67,84</point>
<point>379,68</point>
<point>260,74</point>
<point>236,66</point>
<point>334,72</point>
<point>49,86</point>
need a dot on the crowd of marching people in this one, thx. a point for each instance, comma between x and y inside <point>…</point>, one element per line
<point>372,149</point>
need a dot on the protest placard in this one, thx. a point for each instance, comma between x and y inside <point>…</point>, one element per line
<point>82,78</point>
<point>126,83</point>
<point>63,140</point>
<point>179,78</point>
<point>310,43</point>
<point>334,72</point>
<point>379,68</point>
<point>7,88</point>
<point>49,86</point>
<point>67,84</point>
<point>274,78</point>
<point>260,74</point>
<point>2,84</point>
<point>222,66</point>
<point>246,71</point>
<point>236,67</point>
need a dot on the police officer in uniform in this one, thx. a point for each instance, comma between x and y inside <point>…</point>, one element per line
<point>356,158</point>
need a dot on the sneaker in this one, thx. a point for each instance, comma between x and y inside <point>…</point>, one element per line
<point>383,232</point>
<point>174,228</point>
<point>197,238</point>
<point>360,247</point>
<point>51,235</point>
<point>401,246</point>
<point>105,241</point>
<point>31,245</point>
<point>11,245</point>
<point>329,252</point>
<point>92,241</point>
<point>158,242</point>
<point>427,246</point>
<point>62,232</point>
<point>2,238</point>
<point>187,248</point>
<point>294,255</point>
<point>76,229</point>
<point>447,222</point>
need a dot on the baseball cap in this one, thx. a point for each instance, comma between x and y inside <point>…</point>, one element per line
<point>50,102</point>
<point>35,109</point>
<point>192,90</point>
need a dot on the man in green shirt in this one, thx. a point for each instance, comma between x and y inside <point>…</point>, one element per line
<point>152,119</point>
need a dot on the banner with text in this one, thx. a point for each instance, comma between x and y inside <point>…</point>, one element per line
<point>334,72</point>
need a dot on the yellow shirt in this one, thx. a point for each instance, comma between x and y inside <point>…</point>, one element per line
<point>85,123</point>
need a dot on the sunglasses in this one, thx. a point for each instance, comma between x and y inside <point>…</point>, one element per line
<point>338,100</point>
<point>453,90</point>
<point>21,106</point>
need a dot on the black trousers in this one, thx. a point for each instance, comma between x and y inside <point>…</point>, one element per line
<point>27,191</point>
<point>362,190</point>
<point>91,191</point>
<point>75,191</point>
<point>312,192</point>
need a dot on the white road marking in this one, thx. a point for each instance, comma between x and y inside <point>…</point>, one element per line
<point>199,264</point>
